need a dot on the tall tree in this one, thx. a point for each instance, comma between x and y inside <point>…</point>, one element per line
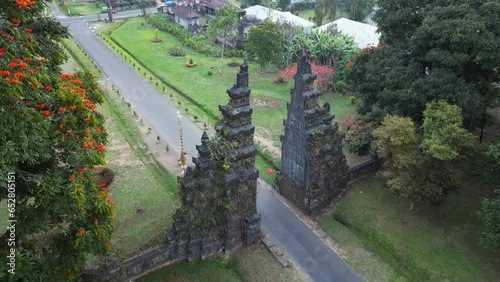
<point>264,43</point>
<point>223,25</point>
<point>437,50</point>
<point>423,170</point>
<point>51,139</point>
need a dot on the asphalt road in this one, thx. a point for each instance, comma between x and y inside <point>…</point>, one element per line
<point>304,248</point>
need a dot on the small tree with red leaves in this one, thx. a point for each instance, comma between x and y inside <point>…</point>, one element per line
<point>324,80</point>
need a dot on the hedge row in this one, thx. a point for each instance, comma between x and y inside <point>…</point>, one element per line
<point>182,93</point>
<point>198,43</point>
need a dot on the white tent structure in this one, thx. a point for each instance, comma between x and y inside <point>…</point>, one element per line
<point>363,34</point>
<point>261,13</point>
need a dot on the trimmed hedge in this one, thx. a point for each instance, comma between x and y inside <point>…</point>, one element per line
<point>208,112</point>
<point>199,43</point>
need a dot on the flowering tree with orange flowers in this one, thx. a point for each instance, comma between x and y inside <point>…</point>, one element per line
<point>51,140</point>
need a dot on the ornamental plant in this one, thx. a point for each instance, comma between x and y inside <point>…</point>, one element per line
<point>357,134</point>
<point>324,80</point>
<point>52,141</point>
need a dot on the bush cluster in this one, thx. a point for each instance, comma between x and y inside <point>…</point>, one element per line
<point>199,43</point>
<point>358,134</point>
<point>176,51</point>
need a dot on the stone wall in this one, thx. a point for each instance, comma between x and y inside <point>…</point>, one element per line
<point>313,168</point>
<point>218,196</point>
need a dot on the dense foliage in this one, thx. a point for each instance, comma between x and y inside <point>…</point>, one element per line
<point>264,43</point>
<point>423,167</point>
<point>358,134</point>
<point>198,42</point>
<point>52,138</point>
<point>437,50</point>
<point>490,217</point>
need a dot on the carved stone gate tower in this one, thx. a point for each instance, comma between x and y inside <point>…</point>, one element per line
<point>313,168</point>
<point>218,195</point>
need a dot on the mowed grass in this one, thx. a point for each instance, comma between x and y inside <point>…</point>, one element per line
<point>80,9</point>
<point>308,15</point>
<point>250,264</point>
<point>140,182</point>
<point>439,243</point>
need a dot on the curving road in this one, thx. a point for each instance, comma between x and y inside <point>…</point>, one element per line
<point>309,253</point>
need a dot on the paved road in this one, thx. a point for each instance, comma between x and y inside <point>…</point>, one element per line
<point>305,249</point>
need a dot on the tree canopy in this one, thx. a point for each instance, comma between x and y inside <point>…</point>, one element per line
<point>421,167</point>
<point>51,140</point>
<point>437,50</point>
<point>264,43</point>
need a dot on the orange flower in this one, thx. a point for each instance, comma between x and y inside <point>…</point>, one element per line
<point>86,119</point>
<point>108,245</point>
<point>61,126</point>
<point>87,130</point>
<point>81,170</point>
<point>45,113</point>
<point>28,30</point>
<point>71,178</point>
<point>69,131</point>
<point>40,106</point>
<point>26,102</point>
<point>48,88</point>
<point>21,4</point>
<point>101,148</point>
<point>9,38</point>
<point>80,232</point>
<point>61,110</point>
<point>41,60</point>
<point>85,146</point>
<point>102,185</point>
<point>72,107</point>
<point>2,50</point>
<point>16,21</point>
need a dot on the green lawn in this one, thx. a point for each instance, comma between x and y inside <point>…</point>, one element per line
<point>308,15</point>
<point>252,264</point>
<point>439,244</point>
<point>80,9</point>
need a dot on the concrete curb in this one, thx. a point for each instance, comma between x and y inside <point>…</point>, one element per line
<point>275,250</point>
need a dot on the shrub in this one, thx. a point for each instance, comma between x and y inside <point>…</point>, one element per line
<point>323,82</point>
<point>198,43</point>
<point>176,51</point>
<point>357,134</point>
<point>340,86</point>
<point>190,61</point>
<point>234,53</point>
<point>352,99</point>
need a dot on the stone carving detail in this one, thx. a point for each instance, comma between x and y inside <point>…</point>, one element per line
<point>218,195</point>
<point>313,168</point>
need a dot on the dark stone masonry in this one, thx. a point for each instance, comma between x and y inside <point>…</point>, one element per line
<point>218,195</point>
<point>218,210</point>
<point>313,168</point>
